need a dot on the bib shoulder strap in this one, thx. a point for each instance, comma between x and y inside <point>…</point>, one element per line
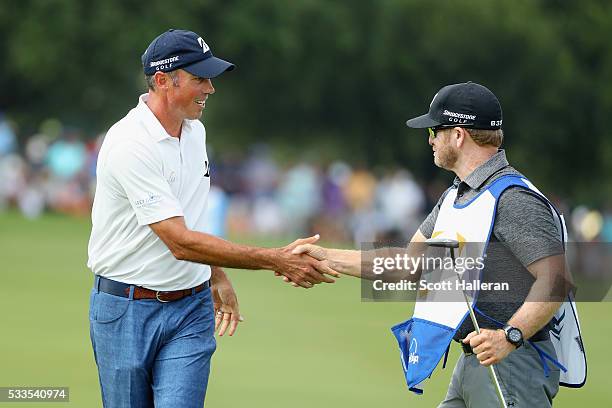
<point>498,186</point>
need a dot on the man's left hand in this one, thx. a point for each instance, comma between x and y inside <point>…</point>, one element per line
<point>227,311</point>
<point>490,346</point>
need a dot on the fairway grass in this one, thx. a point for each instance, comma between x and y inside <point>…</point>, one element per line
<point>297,348</point>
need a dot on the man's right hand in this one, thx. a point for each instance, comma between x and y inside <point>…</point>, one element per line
<point>306,247</point>
<point>301,268</point>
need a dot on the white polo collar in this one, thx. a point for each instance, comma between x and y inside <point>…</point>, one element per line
<point>152,124</point>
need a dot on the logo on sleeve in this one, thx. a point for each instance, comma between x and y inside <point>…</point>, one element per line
<point>206,169</point>
<point>149,200</point>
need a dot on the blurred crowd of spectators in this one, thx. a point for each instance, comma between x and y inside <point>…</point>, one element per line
<point>52,170</point>
<point>252,192</point>
<point>340,202</point>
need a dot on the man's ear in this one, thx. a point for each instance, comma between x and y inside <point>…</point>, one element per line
<point>162,80</point>
<point>460,135</point>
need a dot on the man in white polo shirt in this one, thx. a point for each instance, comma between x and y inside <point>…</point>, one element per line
<point>151,309</point>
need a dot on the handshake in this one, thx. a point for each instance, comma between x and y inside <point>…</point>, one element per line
<point>303,264</point>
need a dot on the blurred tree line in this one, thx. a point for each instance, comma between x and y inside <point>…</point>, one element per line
<point>337,78</point>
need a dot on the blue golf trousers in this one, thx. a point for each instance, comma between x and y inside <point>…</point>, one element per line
<point>150,353</point>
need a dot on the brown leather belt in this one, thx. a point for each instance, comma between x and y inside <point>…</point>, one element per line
<point>123,289</point>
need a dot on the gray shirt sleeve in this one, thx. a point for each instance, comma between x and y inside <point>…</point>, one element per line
<point>526,224</point>
<point>427,226</point>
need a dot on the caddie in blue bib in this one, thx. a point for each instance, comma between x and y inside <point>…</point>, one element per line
<point>425,338</point>
<point>490,202</point>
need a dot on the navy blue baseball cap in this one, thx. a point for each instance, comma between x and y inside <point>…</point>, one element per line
<point>183,49</point>
<point>466,104</point>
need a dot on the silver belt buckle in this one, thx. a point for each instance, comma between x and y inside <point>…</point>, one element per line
<point>158,299</point>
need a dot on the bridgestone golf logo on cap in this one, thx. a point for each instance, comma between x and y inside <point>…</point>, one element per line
<point>459,115</point>
<point>164,61</point>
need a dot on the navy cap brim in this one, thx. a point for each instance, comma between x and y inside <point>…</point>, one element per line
<point>209,67</point>
<point>421,122</point>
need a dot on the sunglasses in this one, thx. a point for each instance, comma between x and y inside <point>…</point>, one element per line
<point>433,131</point>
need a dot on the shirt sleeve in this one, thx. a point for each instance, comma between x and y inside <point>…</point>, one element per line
<point>139,174</point>
<point>526,225</point>
<point>427,226</point>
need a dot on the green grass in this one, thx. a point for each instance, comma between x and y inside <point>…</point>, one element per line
<point>297,348</point>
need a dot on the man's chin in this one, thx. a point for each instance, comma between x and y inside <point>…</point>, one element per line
<point>196,115</point>
<point>442,165</point>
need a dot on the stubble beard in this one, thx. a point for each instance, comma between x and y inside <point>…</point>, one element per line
<point>446,157</point>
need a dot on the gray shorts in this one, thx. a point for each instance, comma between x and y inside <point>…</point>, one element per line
<point>520,374</point>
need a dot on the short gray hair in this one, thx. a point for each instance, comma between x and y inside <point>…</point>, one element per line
<point>150,79</point>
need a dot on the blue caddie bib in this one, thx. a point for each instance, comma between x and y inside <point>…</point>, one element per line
<point>425,338</point>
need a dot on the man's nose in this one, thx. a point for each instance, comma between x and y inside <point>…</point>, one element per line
<point>208,87</point>
<point>430,140</point>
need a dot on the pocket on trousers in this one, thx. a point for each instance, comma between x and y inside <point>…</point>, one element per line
<point>107,308</point>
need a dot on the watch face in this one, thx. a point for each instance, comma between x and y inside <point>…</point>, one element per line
<point>514,336</point>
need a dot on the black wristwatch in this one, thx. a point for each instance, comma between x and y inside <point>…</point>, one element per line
<point>514,335</point>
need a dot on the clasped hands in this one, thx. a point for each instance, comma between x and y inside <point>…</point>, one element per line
<point>313,264</point>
